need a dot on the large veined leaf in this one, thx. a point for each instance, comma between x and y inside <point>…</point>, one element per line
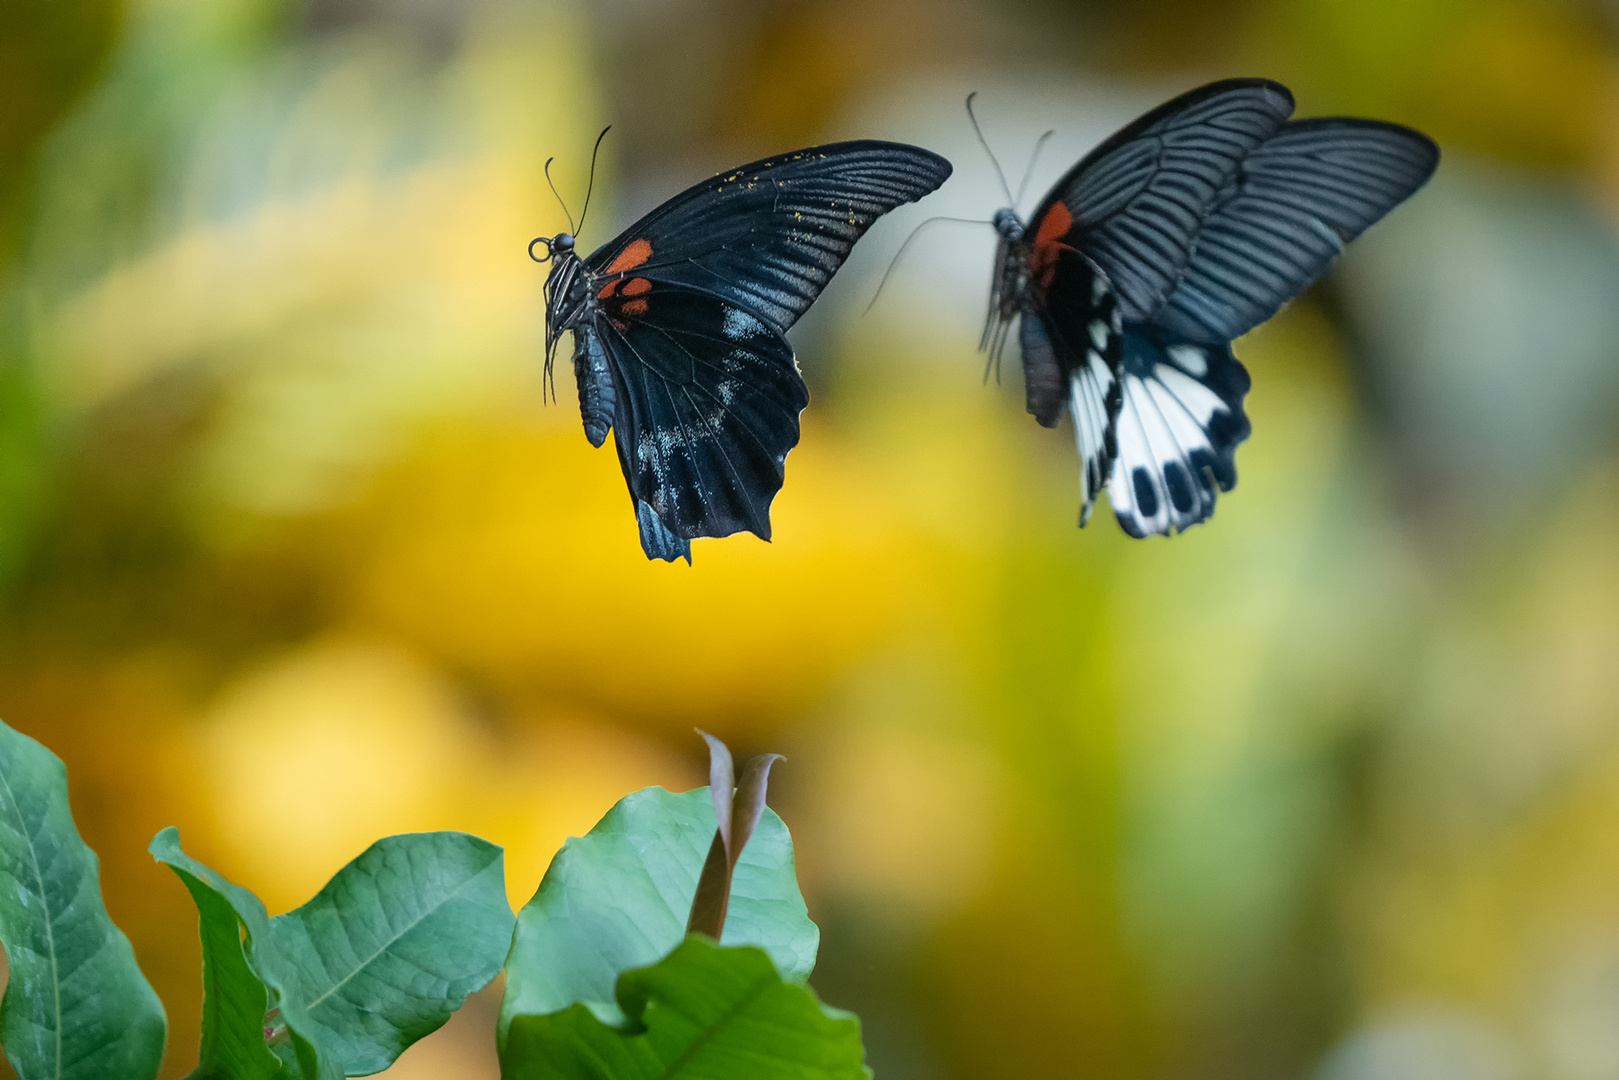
<point>235,1001</point>
<point>619,898</point>
<point>397,941</point>
<point>382,956</point>
<point>705,1012</point>
<point>77,1006</point>
<point>232,991</point>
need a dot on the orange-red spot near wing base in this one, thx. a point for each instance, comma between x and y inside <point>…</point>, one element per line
<point>634,254</point>
<point>636,286</point>
<point>1048,243</point>
<point>633,307</point>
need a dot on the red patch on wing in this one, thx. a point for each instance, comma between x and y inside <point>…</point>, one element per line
<point>634,254</point>
<point>621,291</point>
<point>1048,243</point>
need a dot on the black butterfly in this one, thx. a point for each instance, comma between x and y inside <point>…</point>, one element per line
<point>1186,229</point>
<point>678,328</point>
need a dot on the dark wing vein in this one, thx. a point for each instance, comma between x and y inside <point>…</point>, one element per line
<point>1138,200</point>
<point>1285,216</point>
<point>770,235</point>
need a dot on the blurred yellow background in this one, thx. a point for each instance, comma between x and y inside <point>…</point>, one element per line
<point>292,555</point>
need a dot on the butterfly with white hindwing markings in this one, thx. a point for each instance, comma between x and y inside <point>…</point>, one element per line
<point>1181,232</point>
<point>678,327</point>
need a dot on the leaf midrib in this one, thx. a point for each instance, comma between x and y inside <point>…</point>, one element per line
<point>752,994</point>
<point>50,923</point>
<point>391,942</point>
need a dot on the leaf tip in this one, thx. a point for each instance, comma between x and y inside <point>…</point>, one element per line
<point>167,839</point>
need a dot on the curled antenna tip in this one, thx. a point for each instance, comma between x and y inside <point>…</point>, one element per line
<point>552,184</point>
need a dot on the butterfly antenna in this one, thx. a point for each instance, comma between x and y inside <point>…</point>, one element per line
<point>1028,173</point>
<point>985,144</point>
<point>591,184</point>
<point>895,260</point>
<point>558,194</point>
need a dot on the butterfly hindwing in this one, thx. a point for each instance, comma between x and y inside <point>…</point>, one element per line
<point>1179,423</point>
<point>1135,204</point>
<point>657,541</point>
<point>767,237</point>
<point>1072,349</point>
<point>1286,215</point>
<point>707,404</point>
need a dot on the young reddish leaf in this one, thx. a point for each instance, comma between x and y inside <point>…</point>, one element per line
<point>737,817</point>
<point>713,893</point>
<point>749,805</point>
<point>721,779</point>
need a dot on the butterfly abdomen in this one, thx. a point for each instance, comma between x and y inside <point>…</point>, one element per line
<point>597,398</point>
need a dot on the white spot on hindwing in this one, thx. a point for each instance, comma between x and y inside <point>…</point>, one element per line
<point>1196,398</point>
<point>1190,357</point>
<point>1087,404</point>
<point>1099,333</point>
<point>739,325</point>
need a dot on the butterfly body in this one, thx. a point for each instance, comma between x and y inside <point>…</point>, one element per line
<point>1181,232</point>
<point>1069,365</point>
<point>679,328</point>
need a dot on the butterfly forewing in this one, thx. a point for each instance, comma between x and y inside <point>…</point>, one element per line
<point>768,236</point>
<point>1287,214</point>
<point>1136,203</point>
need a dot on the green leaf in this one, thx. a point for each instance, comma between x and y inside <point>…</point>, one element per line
<point>618,898</point>
<point>234,1001</point>
<point>229,1025</point>
<point>77,1005</point>
<point>705,1011</point>
<point>379,958</point>
<point>397,941</point>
